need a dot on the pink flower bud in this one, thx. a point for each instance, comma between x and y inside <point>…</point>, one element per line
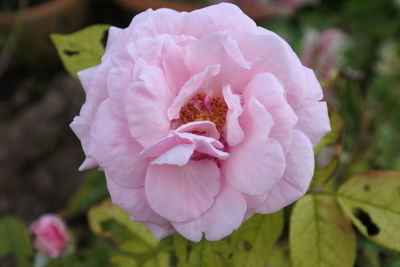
<point>50,235</point>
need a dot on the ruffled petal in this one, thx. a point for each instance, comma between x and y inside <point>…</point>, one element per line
<point>222,219</point>
<point>196,84</point>
<point>146,106</point>
<point>314,90</point>
<point>160,231</point>
<point>115,150</point>
<point>233,132</point>
<point>266,88</point>
<point>313,120</point>
<point>134,201</point>
<point>258,162</point>
<point>182,193</point>
<point>219,49</point>
<point>272,54</point>
<point>223,16</point>
<point>296,179</point>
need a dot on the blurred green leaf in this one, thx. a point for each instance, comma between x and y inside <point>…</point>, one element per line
<point>250,245</point>
<point>114,225</point>
<point>372,201</point>
<point>254,240</point>
<point>82,49</point>
<point>14,239</point>
<point>92,190</point>
<point>180,246</point>
<point>320,234</point>
<point>279,256</point>
<point>328,151</point>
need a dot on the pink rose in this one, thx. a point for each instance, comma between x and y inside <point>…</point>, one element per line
<point>323,51</point>
<point>50,235</point>
<point>199,120</point>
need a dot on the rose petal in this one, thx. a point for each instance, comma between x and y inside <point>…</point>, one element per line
<point>147,118</point>
<point>258,162</point>
<point>313,120</point>
<point>234,133</point>
<point>296,179</point>
<point>276,57</point>
<point>115,150</point>
<point>182,193</point>
<point>160,231</point>
<point>222,219</point>
<point>266,88</point>
<point>193,86</point>
<point>134,201</point>
<point>224,16</point>
<point>314,90</point>
<point>219,49</point>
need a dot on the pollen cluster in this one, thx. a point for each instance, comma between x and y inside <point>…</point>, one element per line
<point>204,108</point>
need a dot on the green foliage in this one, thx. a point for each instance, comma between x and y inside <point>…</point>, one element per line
<point>372,202</point>
<point>320,234</point>
<point>14,239</point>
<point>82,49</point>
<point>254,240</point>
<point>250,245</point>
<point>138,244</point>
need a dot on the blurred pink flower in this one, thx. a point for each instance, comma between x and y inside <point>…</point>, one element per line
<point>323,51</point>
<point>199,120</point>
<point>50,235</point>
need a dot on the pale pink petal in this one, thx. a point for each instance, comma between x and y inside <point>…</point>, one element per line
<point>276,57</point>
<point>160,231</point>
<point>114,39</point>
<point>173,65</point>
<point>85,76</point>
<point>95,89</point>
<point>254,201</point>
<point>258,162</point>
<point>119,79</point>
<point>182,193</point>
<point>166,146</point>
<point>207,127</point>
<point>219,49</point>
<point>133,201</point>
<point>297,176</point>
<point>146,105</point>
<point>313,120</point>
<point>214,18</point>
<point>222,219</point>
<point>314,90</point>
<point>198,83</point>
<point>266,88</point>
<point>87,164</point>
<point>233,132</point>
<point>115,150</point>
<point>179,155</point>
<point>81,129</point>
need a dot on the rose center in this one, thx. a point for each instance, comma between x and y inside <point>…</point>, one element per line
<point>205,108</point>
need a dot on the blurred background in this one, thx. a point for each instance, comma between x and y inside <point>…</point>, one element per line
<point>353,46</point>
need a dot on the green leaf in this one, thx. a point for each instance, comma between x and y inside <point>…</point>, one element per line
<point>82,49</point>
<point>180,246</point>
<point>320,234</point>
<point>250,245</point>
<point>372,201</point>
<point>328,150</point>
<point>254,240</point>
<point>114,225</point>
<point>14,239</point>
